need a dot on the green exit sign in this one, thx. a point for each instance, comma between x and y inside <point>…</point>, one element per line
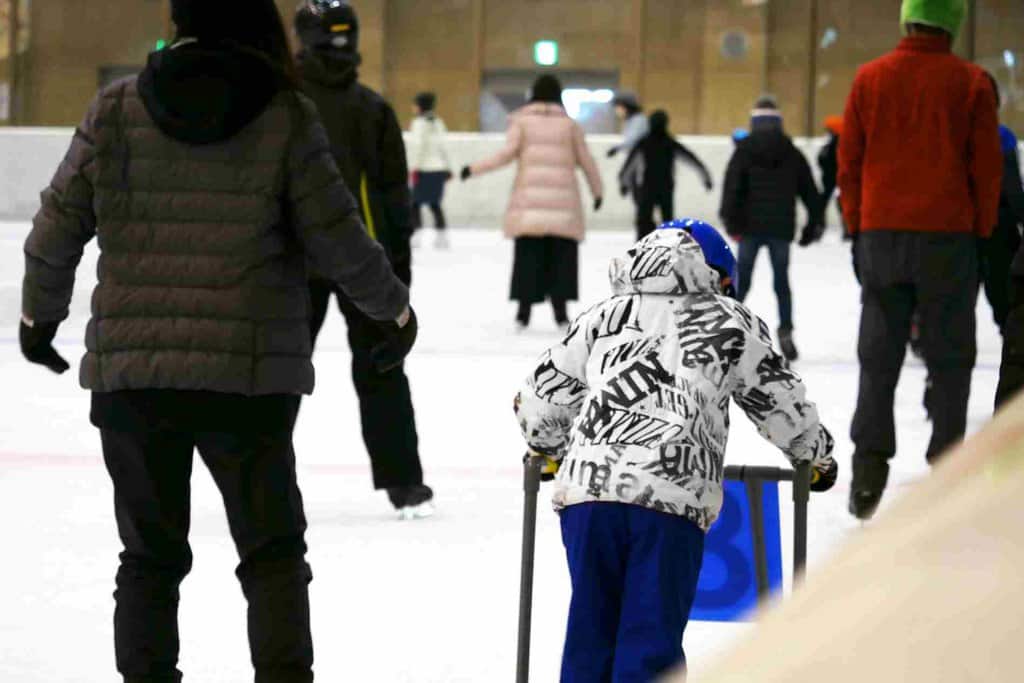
<point>545,52</point>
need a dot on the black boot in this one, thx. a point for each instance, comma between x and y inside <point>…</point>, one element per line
<point>870,475</point>
<point>786,343</point>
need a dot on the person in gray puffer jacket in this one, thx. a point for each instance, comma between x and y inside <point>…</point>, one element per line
<point>209,182</point>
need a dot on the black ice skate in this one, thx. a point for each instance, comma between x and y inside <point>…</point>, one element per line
<point>870,475</point>
<point>786,343</point>
<point>412,502</point>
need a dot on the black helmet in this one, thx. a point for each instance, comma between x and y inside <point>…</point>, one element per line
<point>328,23</point>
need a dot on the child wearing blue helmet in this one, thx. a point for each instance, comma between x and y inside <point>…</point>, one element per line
<point>631,408</point>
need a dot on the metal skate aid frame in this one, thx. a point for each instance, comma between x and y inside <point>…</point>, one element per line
<point>531,485</point>
<point>753,477</point>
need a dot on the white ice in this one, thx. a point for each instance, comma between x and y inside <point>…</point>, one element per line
<point>426,601</point>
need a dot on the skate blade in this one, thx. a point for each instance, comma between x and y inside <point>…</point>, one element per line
<point>413,512</point>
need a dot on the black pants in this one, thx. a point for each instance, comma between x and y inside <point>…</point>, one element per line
<point>778,252</point>
<point>385,402</point>
<point>998,252</point>
<point>435,209</point>
<point>935,275</point>
<point>558,306</point>
<point>646,200</point>
<point>254,468</point>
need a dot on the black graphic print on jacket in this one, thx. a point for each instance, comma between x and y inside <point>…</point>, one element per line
<point>635,399</point>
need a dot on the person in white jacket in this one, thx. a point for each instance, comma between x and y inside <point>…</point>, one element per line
<point>632,407</point>
<point>429,163</point>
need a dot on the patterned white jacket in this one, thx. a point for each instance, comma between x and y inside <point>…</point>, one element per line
<point>635,399</point>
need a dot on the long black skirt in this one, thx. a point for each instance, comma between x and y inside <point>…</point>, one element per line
<point>545,268</point>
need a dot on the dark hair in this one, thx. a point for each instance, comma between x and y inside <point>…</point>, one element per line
<point>766,102</point>
<point>255,24</point>
<point>546,88</point>
<point>426,101</point>
<point>659,122</point>
<point>627,101</point>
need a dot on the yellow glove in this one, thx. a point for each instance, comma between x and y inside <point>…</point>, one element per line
<point>549,468</point>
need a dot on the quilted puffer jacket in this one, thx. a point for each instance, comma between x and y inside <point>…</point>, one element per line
<point>548,146</point>
<point>209,184</point>
<point>635,400</point>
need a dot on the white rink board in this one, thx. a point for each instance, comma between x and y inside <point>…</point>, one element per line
<point>424,602</point>
<point>29,157</point>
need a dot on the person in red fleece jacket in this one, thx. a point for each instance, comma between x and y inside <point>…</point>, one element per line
<point>920,170</point>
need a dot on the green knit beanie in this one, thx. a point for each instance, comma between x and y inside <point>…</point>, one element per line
<point>945,14</point>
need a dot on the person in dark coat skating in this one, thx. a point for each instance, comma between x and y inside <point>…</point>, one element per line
<point>998,251</point>
<point>650,173</point>
<point>920,172</point>
<point>209,184</point>
<point>366,140</point>
<point>765,176</point>
<point>828,162</point>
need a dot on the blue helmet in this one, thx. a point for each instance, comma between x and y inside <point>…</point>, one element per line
<point>717,252</point>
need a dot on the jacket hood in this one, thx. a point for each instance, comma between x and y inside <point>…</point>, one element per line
<point>664,262</point>
<point>203,93</point>
<point>331,67</point>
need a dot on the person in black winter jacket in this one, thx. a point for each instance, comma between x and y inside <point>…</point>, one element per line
<point>366,139</point>
<point>997,252</point>
<point>1011,219</point>
<point>828,162</point>
<point>650,173</point>
<point>765,176</point>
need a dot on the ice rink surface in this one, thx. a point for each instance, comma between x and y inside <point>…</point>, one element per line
<point>427,601</point>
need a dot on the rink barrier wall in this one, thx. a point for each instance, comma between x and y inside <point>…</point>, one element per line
<point>30,156</point>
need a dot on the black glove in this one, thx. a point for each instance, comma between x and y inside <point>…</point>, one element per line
<point>598,201</point>
<point>824,475</point>
<point>37,346</point>
<point>465,173</point>
<point>811,233</point>
<point>396,344</point>
<point>612,152</point>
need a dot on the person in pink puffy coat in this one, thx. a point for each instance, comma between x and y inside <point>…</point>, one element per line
<point>545,212</point>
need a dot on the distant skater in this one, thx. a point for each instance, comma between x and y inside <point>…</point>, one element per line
<point>649,173</point>
<point>429,164</point>
<point>765,176</point>
<point>545,213</point>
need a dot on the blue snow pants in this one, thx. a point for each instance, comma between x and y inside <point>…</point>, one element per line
<point>634,575</point>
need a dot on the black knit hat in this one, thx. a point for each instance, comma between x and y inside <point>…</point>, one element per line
<point>546,88</point>
<point>426,101</point>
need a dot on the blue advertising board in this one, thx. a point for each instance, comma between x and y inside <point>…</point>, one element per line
<point>727,589</point>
